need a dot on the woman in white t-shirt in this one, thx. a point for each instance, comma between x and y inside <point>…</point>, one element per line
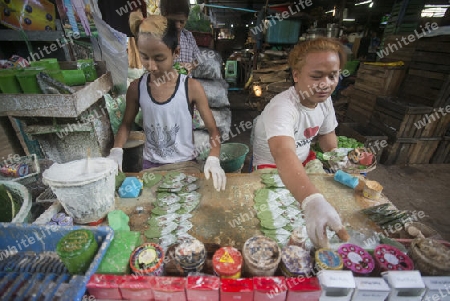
<point>284,130</point>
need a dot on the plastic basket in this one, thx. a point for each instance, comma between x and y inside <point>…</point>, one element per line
<point>33,169</point>
<point>33,269</point>
<point>232,156</point>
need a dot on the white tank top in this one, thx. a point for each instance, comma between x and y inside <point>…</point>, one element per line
<point>167,125</point>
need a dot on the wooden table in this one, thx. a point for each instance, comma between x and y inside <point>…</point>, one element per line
<point>228,218</point>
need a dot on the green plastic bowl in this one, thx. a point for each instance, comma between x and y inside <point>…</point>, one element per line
<point>232,156</point>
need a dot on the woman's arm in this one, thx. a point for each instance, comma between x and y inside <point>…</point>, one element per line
<point>328,141</point>
<point>131,110</point>
<point>197,95</point>
<point>290,168</point>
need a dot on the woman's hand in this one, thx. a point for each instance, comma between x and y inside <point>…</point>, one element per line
<point>318,215</point>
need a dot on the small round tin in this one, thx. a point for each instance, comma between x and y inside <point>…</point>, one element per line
<point>147,259</point>
<point>66,221</point>
<point>327,259</point>
<point>389,258</point>
<point>58,217</point>
<point>298,238</point>
<point>356,259</point>
<point>295,261</point>
<point>227,263</point>
<point>261,256</point>
<point>190,255</point>
<point>77,249</point>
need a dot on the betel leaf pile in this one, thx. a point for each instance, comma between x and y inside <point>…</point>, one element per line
<point>343,142</point>
<point>10,204</point>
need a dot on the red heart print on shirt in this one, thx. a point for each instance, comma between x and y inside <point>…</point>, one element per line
<point>311,132</point>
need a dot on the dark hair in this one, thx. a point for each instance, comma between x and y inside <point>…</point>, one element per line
<point>173,7</point>
<point>157,26</point>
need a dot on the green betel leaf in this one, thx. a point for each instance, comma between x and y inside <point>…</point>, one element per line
<point>10,204</point>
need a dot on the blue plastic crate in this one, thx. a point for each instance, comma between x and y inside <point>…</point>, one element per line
<point>286,31</point>
<point>30,268</point>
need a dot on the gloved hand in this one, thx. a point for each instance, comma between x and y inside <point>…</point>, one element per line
<point>318,215</point>
<point>212,165</point>
<point>116,154</point>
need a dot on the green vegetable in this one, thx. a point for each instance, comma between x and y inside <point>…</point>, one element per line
<point>197,21</point>
<point>180,69</point>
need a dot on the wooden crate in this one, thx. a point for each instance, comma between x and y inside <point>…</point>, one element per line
<point>442,154</point>
<point>410,151</point>
<point>404,53</point>
<point>399,119</point>
<point>380,80</point>
<point>428,81</point>
<point>361,105</point>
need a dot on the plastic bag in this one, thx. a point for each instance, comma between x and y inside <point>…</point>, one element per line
<point>221,116</point>
<point>116,109</point>
<point>216,92</point>
<point>210,65</point>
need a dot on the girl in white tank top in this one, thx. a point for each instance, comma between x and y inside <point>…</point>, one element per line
<point>165,99</point>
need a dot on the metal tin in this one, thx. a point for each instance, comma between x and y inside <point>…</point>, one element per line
<point>356,259</point>
<point>295,261</point>
<point>227,263</point>
<point>297,238</point>
<point>77,250</point>
<point>190,252</point>
<point>327,259</point>
<point>15,170</point>
<point>389,258</point>
<point>58,217</point>
<point>147,259</point>
<point>261,256</point>
<point>66,221</point>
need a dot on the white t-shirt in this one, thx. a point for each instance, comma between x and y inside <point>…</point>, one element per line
<point>286,116</point>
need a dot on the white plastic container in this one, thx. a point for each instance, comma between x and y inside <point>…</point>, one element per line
<point>85,189</point>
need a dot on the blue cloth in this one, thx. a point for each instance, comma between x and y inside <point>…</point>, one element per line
<point>130,188</point>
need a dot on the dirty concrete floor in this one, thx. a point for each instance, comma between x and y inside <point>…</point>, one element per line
<point>421,187</point>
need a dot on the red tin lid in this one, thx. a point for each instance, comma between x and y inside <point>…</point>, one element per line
<point>227,261</point>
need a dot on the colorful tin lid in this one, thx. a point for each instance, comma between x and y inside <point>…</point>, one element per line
<point>390,258</point>
<point>227,261</point>
<point>147,258</point>
<point>75,243</point>
<point>296,260</point>
<point>328,260</point>
<point>356,259</point>
<point>262,252</point>
<point>190,253</point>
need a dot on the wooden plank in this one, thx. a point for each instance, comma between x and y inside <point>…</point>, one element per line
<point>228,218</point>
<point>443,98</point>
<point>433,47</point>
<point>432,58</point>
<point>430,66</point>
<point>442,153</point>
<point>56,105</point>
<point>427,74</point>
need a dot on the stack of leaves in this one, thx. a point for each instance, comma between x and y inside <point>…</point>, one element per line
<point>386,217</point>
<point>277,209</point>
<point>176,198</point>
<point>342,142</point>
<point>10,204</point>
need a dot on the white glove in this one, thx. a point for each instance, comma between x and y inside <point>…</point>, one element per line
<point>116,154</point>
<point>318,215</point>
<point>212,165</point>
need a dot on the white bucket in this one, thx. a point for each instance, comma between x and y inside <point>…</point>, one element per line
<point>87,196</point>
